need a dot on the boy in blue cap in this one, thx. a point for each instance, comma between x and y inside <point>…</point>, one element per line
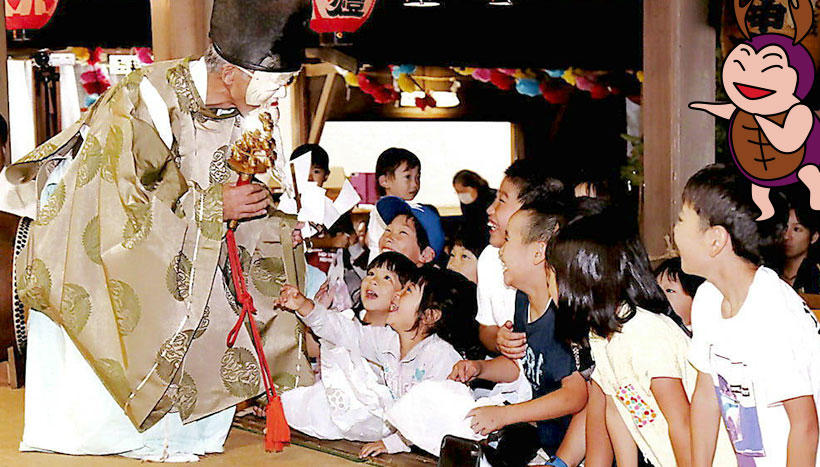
<point>413,230</point>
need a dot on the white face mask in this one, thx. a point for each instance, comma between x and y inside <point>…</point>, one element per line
<point>466,198</point>
<point>265,87</point>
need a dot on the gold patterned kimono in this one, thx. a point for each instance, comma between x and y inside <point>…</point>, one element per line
<point>128,255</point>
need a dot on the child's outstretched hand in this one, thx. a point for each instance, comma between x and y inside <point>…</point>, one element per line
<point>291,299</point>
<point>323,296</point>
<point>487,419</point>
<point>465,371</point>
<point>373,449</point>
<point>511,344</point>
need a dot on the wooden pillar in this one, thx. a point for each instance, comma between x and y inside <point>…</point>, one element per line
<point>679,67</point>
<point>299,112</point>
<point>4,83</point>
<point>179,28</point>
<point>320,116</point>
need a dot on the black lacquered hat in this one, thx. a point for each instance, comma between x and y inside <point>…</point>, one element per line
<point>261,35</point>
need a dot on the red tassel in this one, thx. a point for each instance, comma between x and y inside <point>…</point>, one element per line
<point>277,431</point>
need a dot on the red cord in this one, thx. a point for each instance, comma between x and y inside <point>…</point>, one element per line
<point>278,432</point>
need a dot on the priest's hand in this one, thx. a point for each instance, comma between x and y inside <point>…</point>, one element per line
<point>245,201</point>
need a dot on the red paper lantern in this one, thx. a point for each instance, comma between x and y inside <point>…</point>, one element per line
<point>340,15</point>
<point>28,14</point>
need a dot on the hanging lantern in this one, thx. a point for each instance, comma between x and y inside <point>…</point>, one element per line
<point>339,15</point>
<point>28,14</point>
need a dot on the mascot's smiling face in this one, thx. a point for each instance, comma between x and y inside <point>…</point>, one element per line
<point>760,82</point>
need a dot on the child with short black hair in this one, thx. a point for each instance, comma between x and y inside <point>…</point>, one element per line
<point>465,249</point>
<point>413,230</point>
<point>551,367</point>
<point>386,275</point>
<point>398,173</point>
<point>525,181</point>
<point>412,348</point>
<point>755,342</point>
<point>678,286</point>
<point>319,162</point>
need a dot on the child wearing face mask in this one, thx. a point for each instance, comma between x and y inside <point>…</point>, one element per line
<point>415,346</point>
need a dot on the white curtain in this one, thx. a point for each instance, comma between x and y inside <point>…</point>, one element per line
<point>69,97</point>
<point>21,107</point>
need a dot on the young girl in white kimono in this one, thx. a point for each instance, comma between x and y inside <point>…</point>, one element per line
<point>415,346</point>
<point>347,415</point>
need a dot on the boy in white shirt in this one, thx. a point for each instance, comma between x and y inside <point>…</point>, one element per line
<point>398,173</point>
<point>524,182</point>
<point>756,345</point>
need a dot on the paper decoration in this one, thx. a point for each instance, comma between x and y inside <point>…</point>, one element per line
<point>424,102</point>
<point>464,71</point>
<point>555,85</point>
<point>398,70</point>
<point>348,198</point>
<point>501,80</point>
<point>406,84</point>
<point>482,74</point>
<point>528,87</point>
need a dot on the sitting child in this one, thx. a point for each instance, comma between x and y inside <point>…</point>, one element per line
<point>755,342</point>
<point>398,173</point>
<point>679,288</point>
<point>408,350</point>
<point>524,182</point>
<point>551,367</point>
<point>412,230</point>
<point>464,253</point>
<point>639,393</point>
<point>386,275</point>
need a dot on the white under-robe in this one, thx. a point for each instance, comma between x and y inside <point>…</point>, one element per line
<point>68,410</point>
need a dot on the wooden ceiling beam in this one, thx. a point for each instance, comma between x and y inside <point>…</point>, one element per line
<point>334,57</point>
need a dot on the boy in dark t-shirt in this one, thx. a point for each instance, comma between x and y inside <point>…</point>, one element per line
<point>546,363</point>
<point>559,389</point>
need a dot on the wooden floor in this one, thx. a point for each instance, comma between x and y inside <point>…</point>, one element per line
<point>242,448</point>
